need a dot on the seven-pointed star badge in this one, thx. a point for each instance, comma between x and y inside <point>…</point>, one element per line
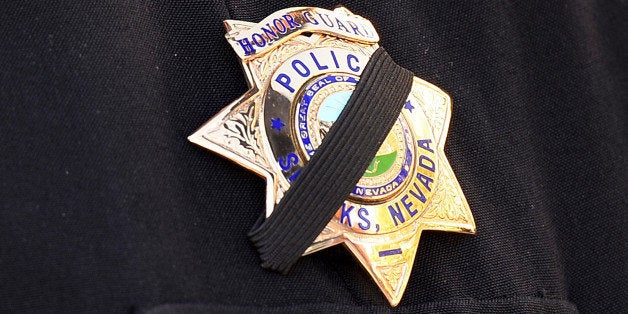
<point>302,65</point>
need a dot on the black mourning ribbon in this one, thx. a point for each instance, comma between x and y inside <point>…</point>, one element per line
<point>338,164</point>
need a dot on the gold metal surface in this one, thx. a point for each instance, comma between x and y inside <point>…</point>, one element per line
<point>298,80</point>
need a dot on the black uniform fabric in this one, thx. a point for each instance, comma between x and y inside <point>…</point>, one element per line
<point>106,207</point>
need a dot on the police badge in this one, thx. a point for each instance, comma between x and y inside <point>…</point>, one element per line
<point>305,67</point>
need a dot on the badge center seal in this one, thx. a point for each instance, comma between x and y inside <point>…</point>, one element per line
<point>308,91</point>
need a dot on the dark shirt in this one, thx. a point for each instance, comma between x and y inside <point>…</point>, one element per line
<point>106,207</point>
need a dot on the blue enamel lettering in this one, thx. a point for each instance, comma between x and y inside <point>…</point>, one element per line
<point>425,144</point>
<point>417,193</point>
<point>330,23</point>
<point>281,28</point>
<point>425,180</point>
<point>408,206</point>
<point>294,176</point>
<point>363,214</point>
<point>396,214</point>
<point>341,26</point>
<point>310,17</point>
<point>258,40</point>
<point>301,68</point>
<point>344,214</point>
<point>356,30</point>
<point>247,46</point>
<point>290,20</point>
<point>350,59</point>
<point>269,31</point>
<point>333,56</point>
<point>318,65</point>
<point>284,80</point>
<point>285,163</point>
<point>426,163</point>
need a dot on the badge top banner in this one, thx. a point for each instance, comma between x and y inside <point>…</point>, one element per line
<point>254,39</point>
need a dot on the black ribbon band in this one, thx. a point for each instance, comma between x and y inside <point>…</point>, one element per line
<point>337,166</point>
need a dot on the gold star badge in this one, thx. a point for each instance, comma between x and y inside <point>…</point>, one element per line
<point>302,65</point>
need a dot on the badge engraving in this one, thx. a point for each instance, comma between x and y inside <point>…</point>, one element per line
<point>302,65</point>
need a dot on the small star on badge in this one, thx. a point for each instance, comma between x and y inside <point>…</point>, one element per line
<point>408,106</point>
<point>277,124</point>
